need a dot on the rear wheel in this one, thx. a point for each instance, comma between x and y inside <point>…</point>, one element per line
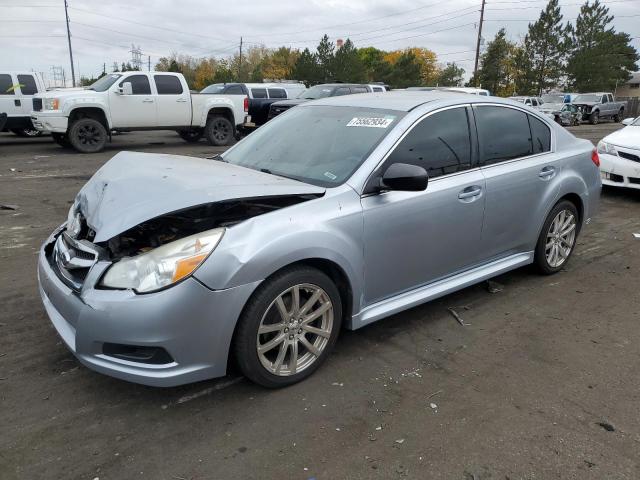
<point>61,139</point>
<point>192,136</point>
<point>594,118</point>
<point>288,327</point>
<point>88,135</point>
<point>219,131</point>
<point>557,238</point>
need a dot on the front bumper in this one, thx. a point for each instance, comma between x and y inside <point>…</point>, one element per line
<point>620,172</point>
<point>52,121</point>
<point>189,321</point>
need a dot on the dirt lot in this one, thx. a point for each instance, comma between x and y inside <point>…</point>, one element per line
<point>542,384</point>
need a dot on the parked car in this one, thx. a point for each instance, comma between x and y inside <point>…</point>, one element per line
<point>620,156</point>
<point>261,97</point>
<point>534,102</point>
<point>342,212</point>
<point>318,91</point>
<point>16,91</point>
<point>596,106</point>
<point>565,114</point>
<point>472,90</point>
<point>553,98</point>
<point>378,87</point>
<point>136,100</point>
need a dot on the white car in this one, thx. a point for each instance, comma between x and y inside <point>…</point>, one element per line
<point>16,91</point>
<point>620,156</point>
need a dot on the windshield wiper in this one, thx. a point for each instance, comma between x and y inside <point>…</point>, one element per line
<point>217,157</point>
<point>266,170</point>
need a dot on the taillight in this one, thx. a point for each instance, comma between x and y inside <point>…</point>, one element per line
<point>595,158</point>
<point>246,104</point>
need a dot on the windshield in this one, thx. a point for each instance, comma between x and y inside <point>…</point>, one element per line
<point>320,145</point>
<point>552,98</point>
<point>105,82</point>
<point>587,97</point>
<point>636,122</point>
<point>215,88</point>
<point>316,92</point>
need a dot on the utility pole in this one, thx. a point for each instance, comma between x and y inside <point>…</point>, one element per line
<point>149,63</point>
<point>475,68</point>
<point>240,63</point>
<point>73,72</point>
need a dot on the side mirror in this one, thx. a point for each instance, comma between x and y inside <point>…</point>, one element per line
<point>404,177</point>
<point>125,89</point>
<point>628,121</point>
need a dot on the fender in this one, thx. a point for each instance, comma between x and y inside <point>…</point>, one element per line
<point>218,102</point>
<point>72,104</point>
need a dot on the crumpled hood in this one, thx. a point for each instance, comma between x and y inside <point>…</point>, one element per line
<point>135,187</point>
<point>628,137</point>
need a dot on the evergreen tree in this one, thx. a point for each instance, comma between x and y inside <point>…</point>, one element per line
<point>306,68</point>
<point>375,66</point>
<point>347,66</point>
<point>406,71</point>
<point>450,76</point>
<point>544,48</point>
<point>600,58</point>
<point>495,73</point>
<point>325,58</point>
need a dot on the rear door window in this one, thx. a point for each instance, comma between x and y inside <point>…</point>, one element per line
<point>139,84</point>
<point>342,91</point>
<point>259,92</point>
<point>234,90</point>
<point>359,90</point>
<point>277,93</point>
<point>441,144</point>
<point>168,84</point>
<point>503,134</point>
<point>27,84</point>
<point>6,85</point>
<point>540,135</point>
<point>604,99</point>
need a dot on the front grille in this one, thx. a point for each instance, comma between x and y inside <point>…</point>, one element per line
<point>72,260</point>
<point>629,156</point>
<point>37,104</point>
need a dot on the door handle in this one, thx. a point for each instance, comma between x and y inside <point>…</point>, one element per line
<point>17,103</point>
<point>547,173</point>
<point>470,193</point>
<point>147,100</point>
<point>181,100</point>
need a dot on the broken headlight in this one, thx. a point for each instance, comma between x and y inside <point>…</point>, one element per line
<point>163,265</point>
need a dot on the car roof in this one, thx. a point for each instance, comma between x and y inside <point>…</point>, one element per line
<point>403,100</point>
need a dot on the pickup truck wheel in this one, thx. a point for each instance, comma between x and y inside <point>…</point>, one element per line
<point>618,116</point>
<point>594,118</point>
<point>191,136</point>
<point>61,139</point>
<point>88,135</point>
<point>219,131</point>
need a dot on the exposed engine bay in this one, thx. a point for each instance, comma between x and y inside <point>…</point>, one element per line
<point>183,223</point>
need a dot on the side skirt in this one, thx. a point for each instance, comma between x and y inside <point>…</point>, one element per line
<point>440,288</point>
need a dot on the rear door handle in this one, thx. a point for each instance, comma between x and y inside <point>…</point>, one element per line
<point>147,100</point>
<point>470,193</point>
<point>547,173</point>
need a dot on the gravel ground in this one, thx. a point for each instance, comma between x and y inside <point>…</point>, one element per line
<point>541,384</point>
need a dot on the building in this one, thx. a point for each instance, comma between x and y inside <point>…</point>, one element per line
<point>631,89</point>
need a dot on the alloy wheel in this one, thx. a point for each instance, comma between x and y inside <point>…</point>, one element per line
<point>89,135</point>
<point>295,329</point>
<point>221,130</point>
<point>560,238</point>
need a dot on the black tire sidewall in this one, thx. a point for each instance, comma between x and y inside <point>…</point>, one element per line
<point>244,347</point>
<point>74,140</point>
<point>187,136</point>
<point>540,258</point>
<point>208,131</point>
<point>61,139</point>
<point>594,118</point>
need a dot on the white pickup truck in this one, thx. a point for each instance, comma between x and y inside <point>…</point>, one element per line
<point>16,91</point>
<point>84,119</point>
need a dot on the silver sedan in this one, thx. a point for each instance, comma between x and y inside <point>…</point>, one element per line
<point>335,214</point>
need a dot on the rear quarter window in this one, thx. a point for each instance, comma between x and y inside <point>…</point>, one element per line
<point>277,93</point>
<point>540,135</point>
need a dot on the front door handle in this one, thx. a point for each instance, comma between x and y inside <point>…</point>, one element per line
<point>547,173</point>
<point>470,193</point>
<point>147,100</point>
<point>181,100</point>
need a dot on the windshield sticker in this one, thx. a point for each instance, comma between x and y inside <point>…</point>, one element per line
<point>330,175</point>
<point>371,122</point>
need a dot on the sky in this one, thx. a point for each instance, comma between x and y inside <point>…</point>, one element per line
<point>34,38</point>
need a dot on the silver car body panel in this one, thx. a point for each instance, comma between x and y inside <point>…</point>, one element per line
<point>396,249</point>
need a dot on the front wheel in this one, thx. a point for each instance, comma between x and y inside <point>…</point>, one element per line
<point>594,118</point>
<point>288,327</point>
<point>88,135</point>
<point>219,131</point>
<point>557,238</point>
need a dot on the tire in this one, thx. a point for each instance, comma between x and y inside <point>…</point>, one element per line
<point>219,131</point>
<point>61,139</point>
<point>564,212</point>
<point>618,116</point>
<point>191,136</point>
<point>88,135</point>
<point>27,132</point>
<point>594,118</point>
<point>273,367</point>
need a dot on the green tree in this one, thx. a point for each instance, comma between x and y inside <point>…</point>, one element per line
<point>544,49</point>
<point>375,66</point>
<point>325,57</point>
<point>451,75</point>
<point>347,66</point>
<point>406,71</point>
<point>306,68</point>
<point>495,72</point>
<point>600,58</point>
